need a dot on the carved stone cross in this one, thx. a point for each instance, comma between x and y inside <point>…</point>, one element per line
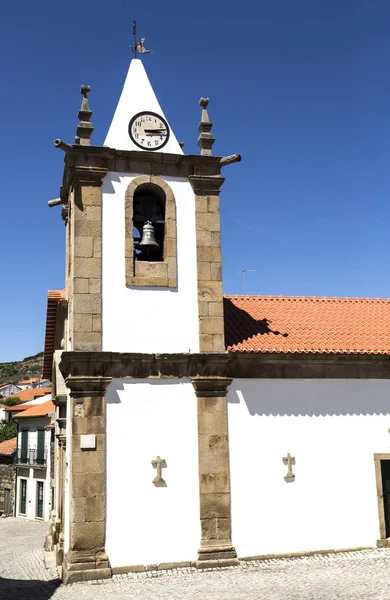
<point>158,463</point>
<point>289,459</point>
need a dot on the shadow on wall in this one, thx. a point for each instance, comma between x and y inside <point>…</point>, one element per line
<point>312,397</point>
<point>18,589</point>
<point>240,326</point>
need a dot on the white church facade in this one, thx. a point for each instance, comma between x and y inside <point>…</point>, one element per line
<point>194,428</point>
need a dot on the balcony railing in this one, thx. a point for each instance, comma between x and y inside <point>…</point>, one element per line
<point>31,457</point>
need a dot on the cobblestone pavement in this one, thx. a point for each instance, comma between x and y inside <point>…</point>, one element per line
<point>348,576</point>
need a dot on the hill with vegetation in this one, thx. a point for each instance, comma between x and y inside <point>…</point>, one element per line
<point>12,372</point>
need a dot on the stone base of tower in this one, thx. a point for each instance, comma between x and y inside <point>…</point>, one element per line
<point>85,566</point>
<point>217,556</point>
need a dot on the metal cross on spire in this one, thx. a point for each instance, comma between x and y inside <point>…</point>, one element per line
<point>138,46</point>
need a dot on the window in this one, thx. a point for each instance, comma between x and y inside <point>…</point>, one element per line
<point>39,503</point>
<point>150,233</point>
<point>24,446</point>
<point>149,223</point>
<point>23,496</point>
<point>40,457</point>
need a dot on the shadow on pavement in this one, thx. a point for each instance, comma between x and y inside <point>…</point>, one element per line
<point>21,589</point>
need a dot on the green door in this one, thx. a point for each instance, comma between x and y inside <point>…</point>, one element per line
<point>385,468</point>
<point>39,510</point>
<point>40,459</point>
<point>23,495</point>
<point>24,447</point>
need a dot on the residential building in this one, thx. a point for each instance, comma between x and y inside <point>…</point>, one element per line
<point>33,461</point>
<point>33,382</point>
<point>8,389</point>
<point>7,477</point>
<point>4,415</point>
<point>195,428</point>
<point>31,394</point>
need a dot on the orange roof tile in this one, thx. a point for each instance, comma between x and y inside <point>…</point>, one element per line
<point>307,324</point>
<point>53,298</point>
<point>30,394</point>
<point>38,410</point>
<point>8,447</point>
<point>25,381</point>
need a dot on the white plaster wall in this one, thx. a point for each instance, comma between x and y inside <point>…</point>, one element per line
<point>137,95</point>
<point>148,524</point>
<point>137,319</point>
<point>10,389</point>
<point>332,428</point>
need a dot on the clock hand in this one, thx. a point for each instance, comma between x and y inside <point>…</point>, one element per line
<point>154,130</point>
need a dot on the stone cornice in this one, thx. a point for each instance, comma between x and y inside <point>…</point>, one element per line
<point>87,165</point>
<point>235,365</point>
<point>87,386</point>
<point>59,400</point>
<point>206,184</point>
<point>86,175</point>
<point>88,153</point>
<point>211,387</point>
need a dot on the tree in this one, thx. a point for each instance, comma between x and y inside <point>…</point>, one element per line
<point>12,401</point>
<point>7,430</point>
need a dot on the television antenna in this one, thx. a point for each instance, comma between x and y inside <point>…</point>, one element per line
<point>244,272</point>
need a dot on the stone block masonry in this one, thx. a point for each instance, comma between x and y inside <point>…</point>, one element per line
<point>86,558</point>
<point>84,284</point>
<point>7,482</point>
<point>209,262</point>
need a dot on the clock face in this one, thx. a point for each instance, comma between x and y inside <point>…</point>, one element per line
<point>149,131</point>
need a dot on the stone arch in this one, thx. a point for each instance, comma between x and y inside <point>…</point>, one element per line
<point>151,274</point>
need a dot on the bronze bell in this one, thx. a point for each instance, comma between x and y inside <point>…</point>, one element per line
<point>148,237</point>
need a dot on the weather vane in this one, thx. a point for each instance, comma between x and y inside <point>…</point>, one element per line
<point>138,46</point>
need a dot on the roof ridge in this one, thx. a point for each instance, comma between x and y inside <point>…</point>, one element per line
<point>307,298</point>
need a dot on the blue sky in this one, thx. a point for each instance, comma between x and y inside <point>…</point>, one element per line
<point>301,89</point>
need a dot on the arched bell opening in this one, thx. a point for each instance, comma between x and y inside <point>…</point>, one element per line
<point>149,204</point>
<point>150,233</point>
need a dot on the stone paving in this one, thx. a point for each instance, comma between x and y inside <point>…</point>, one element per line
<point>348,576</point>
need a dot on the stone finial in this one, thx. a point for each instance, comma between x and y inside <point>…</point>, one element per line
<point>206,139</point>
<point>84,128</point>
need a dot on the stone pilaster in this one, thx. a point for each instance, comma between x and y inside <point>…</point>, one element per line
<point>58,537</point>
<point>85,284</point>
<point>216,547</point>
<point>86,558</point>
<point>209,261</point>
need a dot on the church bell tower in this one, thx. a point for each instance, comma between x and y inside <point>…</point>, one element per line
<point>143,231</point>
<point>143,279</point>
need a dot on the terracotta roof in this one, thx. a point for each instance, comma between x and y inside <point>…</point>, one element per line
<point>25,381</point>
<point>3,385</point>
<point>307,324</point>
<point>38,410</point>
<point>8,447</point>
<point>19,407</point>
<point>53,298</point>
<point>30,394</point>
